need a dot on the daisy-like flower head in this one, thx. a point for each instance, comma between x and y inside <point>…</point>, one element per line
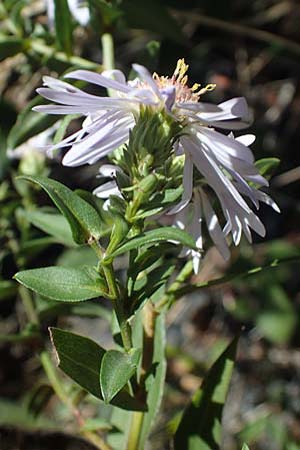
<point>225,163</point>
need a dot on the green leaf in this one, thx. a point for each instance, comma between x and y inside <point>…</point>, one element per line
<point>254,430</point>
<point>63,26</point>
<point>80,358</point>
<point>116,370</point>
<point>266,166</point>
<point>64,284</point>
<point>245,447</point>
<point>155,380</point>
<point>200,426</point>
<point>153,237</point>
<point>54,224</point>
<point>277,320</point>
<point>82,217</point>
<point>73,257</point>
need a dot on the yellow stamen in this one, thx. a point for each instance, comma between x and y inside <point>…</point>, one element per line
<point>195,87</point>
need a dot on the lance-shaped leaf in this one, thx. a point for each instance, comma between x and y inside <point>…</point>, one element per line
<point>54,224</point>
<point>64,284</point>
<point>200,426</point>
<point>82,217</point>
<point>63,26</point>
<point>80,358</point>
<point>152,237</point>
<point>116,370</point>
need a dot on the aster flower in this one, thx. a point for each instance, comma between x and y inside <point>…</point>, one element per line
<point>225,163</point>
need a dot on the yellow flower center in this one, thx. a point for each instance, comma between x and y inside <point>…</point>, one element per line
<point>179,80</point>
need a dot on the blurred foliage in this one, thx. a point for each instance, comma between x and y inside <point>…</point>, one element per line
<point>246,48</point>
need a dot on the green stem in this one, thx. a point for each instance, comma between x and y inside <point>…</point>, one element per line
<point>135,430</point>
<point>116,297</point>
<point>44,50</point>
<point>54,379</point>
<point>28,305</point>
<point>108,57</point>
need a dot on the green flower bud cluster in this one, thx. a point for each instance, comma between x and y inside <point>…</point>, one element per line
<point>151,176</point>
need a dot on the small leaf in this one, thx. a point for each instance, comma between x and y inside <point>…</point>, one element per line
<point>116,370</point>
<point>54,224</point>
<point>63,26</point>
<point>64,284</point>
<point>266,166</point>
<point>200,425</point>
<point>245,447</point>
<point>80,358</point>
<point>153,237</point>
<point>82,217</point>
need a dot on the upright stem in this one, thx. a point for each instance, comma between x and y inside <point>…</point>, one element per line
<point>108,56</point>
<point>118,303</point>
<point>28,305</point>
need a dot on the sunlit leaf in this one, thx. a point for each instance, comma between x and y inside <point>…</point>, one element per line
<point>64,284</point>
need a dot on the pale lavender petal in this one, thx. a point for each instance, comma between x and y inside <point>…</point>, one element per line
<point>116,75</point>
<point>213,227</point>
<point>145,76</point>
<point>59,109</point>
<point>98,79</point>
<point>199,107</point>
<point>231,146</point>
<point>95,146</point>
<point>227,124</point>
<point>246,139</point>
<point>107,189</point>
<point>213,174</point>
<point>109,170</point>
<point>82,98</point>
<point>235,108</point>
